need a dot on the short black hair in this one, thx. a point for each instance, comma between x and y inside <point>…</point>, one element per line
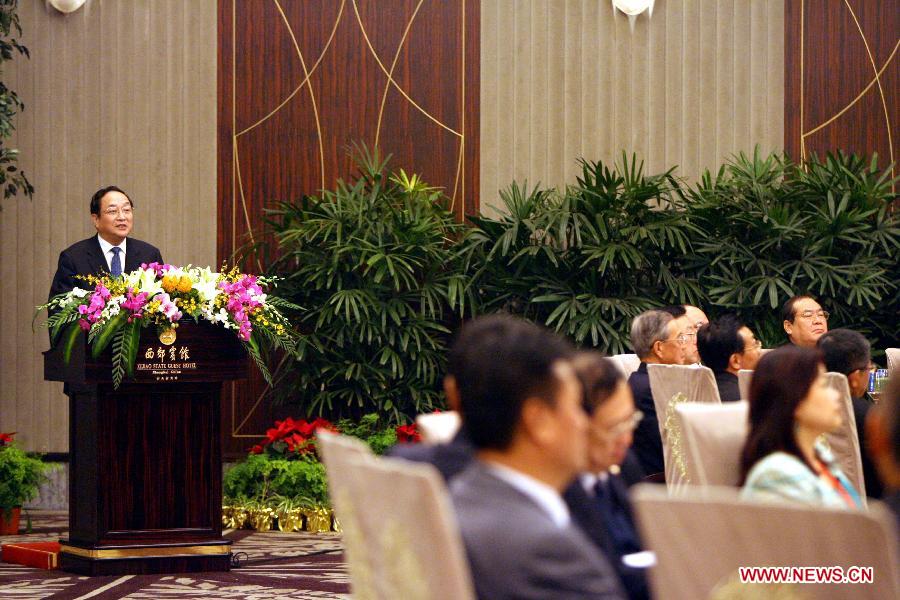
<point>718,340</point>
<point>845,350</point>
<point>787,309</point>
<point>676,310</point>
<point>98,196</point>
<point>599,378</point>
<point>498,361</point>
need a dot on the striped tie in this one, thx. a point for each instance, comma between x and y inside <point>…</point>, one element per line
<point>115,267</point>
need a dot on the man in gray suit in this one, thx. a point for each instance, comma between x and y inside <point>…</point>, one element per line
<point>522,404</point>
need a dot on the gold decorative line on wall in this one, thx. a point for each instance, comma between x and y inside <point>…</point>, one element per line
<point>391,79</point>
<point>237,162</point>
<point>387,85</point>
<point>308,76</point>
<point>887,118</point>
<point>312,96</point>
<point>859,96</point>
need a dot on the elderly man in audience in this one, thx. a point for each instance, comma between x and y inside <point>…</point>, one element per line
<point>883,433</point>
<point>791,406</point>
<point>804,320</point>
<point>656,337</point>
<point>848,352</point>
<point>726,346</point>
<point>691,319</point>
<point>522,405</point>
<point>598,499</point>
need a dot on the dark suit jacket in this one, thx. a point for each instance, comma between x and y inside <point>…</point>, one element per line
<point>450,459</point>
<point>874,487</point>
<point>729,391</point>
<point>615,537</point>
<point>516,551</point>
<point>647,441</point>
<point>86,258</point>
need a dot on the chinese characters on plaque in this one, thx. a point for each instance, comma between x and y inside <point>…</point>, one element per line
<point>165,364</point>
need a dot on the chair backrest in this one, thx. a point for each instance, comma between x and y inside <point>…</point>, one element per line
<point>893,361</point>
<point>844,442</point>
<point>438,427</point>
<point>671,385</point>
<point>712,438</point>
<point>627,363</point>
<point>744,377</point>
<point>339,453</point>
<point>701,539</point>
<point>408,530</point>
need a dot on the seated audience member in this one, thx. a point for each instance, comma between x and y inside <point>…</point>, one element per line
<point>883,434</point>
<point>679,311</point>
<point>522,405</point>
<point>848,352</point>
<point>726,346</point>
<point>804,321</point>
<point>453,457</point>
<point>791,405</point>
<point>656,337</point>
<point>598,500</point>
<point>696,316</point>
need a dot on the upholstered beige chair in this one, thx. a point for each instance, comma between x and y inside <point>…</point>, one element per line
<point>893,361</point>
<point>339,453</point>
<point>702,539</point>
<point>627,363</point>
<point>670,386</point>
<point>744,377</point>
<point>844,442</point>
<point>712,438</point>
<point>406,525</point>
<point>438,428</point>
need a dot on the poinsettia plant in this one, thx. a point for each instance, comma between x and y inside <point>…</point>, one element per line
<point>291,438</point>
<point>113,310</point>
<point>408,433</point>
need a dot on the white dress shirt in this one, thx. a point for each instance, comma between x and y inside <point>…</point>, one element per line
<point>543,495</point>
<point>106,247</point>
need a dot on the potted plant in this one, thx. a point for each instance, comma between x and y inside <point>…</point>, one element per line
<point>20,477</point>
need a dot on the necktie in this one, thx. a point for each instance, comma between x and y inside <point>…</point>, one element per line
<point>115,267</point>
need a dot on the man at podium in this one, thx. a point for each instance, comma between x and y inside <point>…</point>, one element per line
<point>111,250</point>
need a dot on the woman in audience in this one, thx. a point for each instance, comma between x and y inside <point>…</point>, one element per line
<point>791,405</point>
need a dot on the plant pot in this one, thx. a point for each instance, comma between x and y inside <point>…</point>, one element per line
<point>9,520</point>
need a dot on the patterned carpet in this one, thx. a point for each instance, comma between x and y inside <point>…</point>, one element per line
<point>274,565</point>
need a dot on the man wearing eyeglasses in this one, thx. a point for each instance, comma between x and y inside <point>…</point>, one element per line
<point>111,250</point>
<point>804,321</point>
<point>848,352</point>
<point>656,337</point>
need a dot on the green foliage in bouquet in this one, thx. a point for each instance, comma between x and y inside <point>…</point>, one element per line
<point>772,229</point>
<point>21,474</point>
<point>588,260</point>
<point>376,266</point>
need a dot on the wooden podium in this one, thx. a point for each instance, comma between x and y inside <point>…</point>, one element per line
<point>145,460</point>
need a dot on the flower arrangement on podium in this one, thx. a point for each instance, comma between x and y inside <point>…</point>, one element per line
<point>113,310</point>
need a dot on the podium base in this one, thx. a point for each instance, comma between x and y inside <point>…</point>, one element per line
<point>139,560</point>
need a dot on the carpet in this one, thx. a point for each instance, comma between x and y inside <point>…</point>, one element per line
<point>273,565</point>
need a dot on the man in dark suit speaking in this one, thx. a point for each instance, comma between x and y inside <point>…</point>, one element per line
<point>111,250</point>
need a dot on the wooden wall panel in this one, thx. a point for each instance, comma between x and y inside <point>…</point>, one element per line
<point>117,92</point>
<point>299,82</point>
<point>842,77</point>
